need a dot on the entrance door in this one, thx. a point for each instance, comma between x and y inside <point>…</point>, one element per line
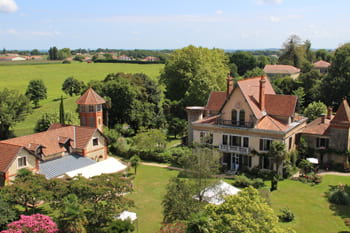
<point>234,162</point>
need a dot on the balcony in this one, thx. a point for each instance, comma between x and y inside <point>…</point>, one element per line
<point>241,124</point>
<point>233,149</point>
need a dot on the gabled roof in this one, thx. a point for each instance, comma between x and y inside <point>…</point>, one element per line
<point>280,69</point>
<point>343,113</point>
<point>216,100</point>
<point>280,105</point>
<point>317,127</point>
<point>90,97</point>
<point>7,154</point>
<point>270,123</point>
<point>321,64</point>
<point>50,139</point>
<point>250,88</point>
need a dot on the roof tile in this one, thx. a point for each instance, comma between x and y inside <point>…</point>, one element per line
<point>90,97</point>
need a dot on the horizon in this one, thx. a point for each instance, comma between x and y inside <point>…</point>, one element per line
<point>157,25</point>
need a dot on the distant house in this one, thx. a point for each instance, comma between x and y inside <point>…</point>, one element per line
<point>12,59</point>
<point>123,58</point>
<point>281,70</point>
<point>322,66</point>
<point>60,149</point>
<point>151,58</point>
<point>330,134</point>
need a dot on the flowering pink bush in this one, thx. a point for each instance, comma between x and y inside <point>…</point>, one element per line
<point>36,223</point>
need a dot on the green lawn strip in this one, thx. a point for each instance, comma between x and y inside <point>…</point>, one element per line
<point>150,184</point>
<point>18,76</point>
<point>312,211</point>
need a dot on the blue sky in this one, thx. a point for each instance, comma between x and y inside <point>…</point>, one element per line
<point>155,24</point>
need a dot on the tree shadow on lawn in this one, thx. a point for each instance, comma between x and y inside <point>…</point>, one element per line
<point>342,211</point>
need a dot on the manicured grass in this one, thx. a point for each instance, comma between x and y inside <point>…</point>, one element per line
<point>313,213</point>
<point>150,184</point>
<point>18,76</point>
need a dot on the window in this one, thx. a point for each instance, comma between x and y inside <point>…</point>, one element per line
<point>241,117</point>
<point>91,108</point>
<point>99,107</point>
<point>234,117</point>
<point>22,161</point>
<point>224,139</point>
<point>266,162</point>
<point>245,142</point>
<point>95,141</point>
<point>82,108</point>
<point>290,143</point>
<point>247,160</point>
<point>322,143</point>
<point>235,140</point>
<point>265,144</point>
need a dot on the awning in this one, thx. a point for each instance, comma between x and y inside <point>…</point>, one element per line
<point>216,193</point>
<point>127,215</point>
<point>312,160</point>
<point>110,165</point>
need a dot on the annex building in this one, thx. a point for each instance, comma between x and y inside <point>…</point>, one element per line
<point>60,149</point>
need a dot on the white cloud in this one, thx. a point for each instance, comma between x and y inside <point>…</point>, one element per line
<point>262,2</point>
<point>219,12</point>
<point>8,6</point>
<point>274,19</point>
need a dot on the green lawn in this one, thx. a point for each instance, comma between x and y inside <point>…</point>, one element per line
<point>313,212</point>
<point>18,76</point>
<point>149,185</point>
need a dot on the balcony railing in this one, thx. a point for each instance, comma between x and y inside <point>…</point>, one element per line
<point>243,124</point>
<point>233,149</point>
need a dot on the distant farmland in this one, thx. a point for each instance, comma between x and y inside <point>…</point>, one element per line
<point>18,76</point>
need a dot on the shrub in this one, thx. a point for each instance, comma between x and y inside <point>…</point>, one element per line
<point>242,181</point>
<point>347,222</point>
<point>265,193</point>
<point>36,223</point>
<point>266,174</point>
<point>339,195</point>
<point>286,215</point>
<point>258,183</point>
<point>66,62</point>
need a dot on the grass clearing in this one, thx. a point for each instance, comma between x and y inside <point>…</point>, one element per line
<point>313,212</point>
<point>18,76</point>
<point>150,184</point>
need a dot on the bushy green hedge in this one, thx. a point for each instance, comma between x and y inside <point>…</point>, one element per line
<point>242,182</point>
<point>130,62</point>
<point>339,195</point>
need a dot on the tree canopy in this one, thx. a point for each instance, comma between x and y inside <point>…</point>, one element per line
<point>36,91</point>
<point>192,72</point>
<point>244,61</point>
<point>314,110</point>
<point>72,86</point>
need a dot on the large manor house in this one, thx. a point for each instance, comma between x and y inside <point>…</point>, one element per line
<point>60,149</point>
<point>243,121</point>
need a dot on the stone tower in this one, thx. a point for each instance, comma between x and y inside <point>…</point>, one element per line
<point>90,109</point>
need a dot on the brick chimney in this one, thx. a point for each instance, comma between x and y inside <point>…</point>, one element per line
<point>229,85</point>
<point>323,118</point>
<point>262,93</point>
<point>329,112</point>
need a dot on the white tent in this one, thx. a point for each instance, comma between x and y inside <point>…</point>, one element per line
<point>215,194</point>
<point>110,165</point>
<point>312,160</point>
<point>127,215</point>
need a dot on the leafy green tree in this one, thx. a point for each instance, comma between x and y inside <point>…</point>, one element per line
<point>119,226</point>
<point>108,56</point>
<point>311,82</point>
<point>199,223</point>
<point>47,119</point>
<point>177,126</point>
<point>254,73</point>
<point>293,52</point>
<point>244,60</point>
<point>78,58</point>
<point>150,140</point>
<point>245,212</point>
<point>53,53</point>
<point>62,115</point>
<point>301,98</point>
<point>72,218</point>
<point>285,84</point>
<point>135,162</point>
<point>13,108</point>
<point>34,52</point>
<point>72,86</point>
<point>336,84</point>
<point>323,54</point>
<point>310,55</point>
<point>36,91</point>
<point>278,153</point>
<point>178,202</point>
<point>262,61</point>
<point>192,72</point>
<point>63,53</point>
<point>314,110</point>
<point>7,213</point>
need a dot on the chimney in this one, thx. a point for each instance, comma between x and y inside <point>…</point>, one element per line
<point>323,118</point>
<point>229,85</point>
<point>329,113</point>
<point>262,93</point>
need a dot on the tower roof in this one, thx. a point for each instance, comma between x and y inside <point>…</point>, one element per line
<point>343,113</point>
<point>90,97</point>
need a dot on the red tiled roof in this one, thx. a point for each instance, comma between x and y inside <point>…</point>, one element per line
<point>50,139</point>
<point>280,105</point>
<point>90,97</point>
<point>317,127</point>
<point>209,120</point>
<point>250,88</point>
<point>280,69</point>
<point>216,100</point>
<point>270,123</point>
<point>343,113</point>
<point>7,154</point>
<point>321,64</point>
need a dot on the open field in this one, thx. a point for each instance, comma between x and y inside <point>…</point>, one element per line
<point>18,76</point>
<point>310,206</point>
<point>150,184</point>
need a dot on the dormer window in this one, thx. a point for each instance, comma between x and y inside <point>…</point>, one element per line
<point>95,141</point>
<point>238,117</point>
